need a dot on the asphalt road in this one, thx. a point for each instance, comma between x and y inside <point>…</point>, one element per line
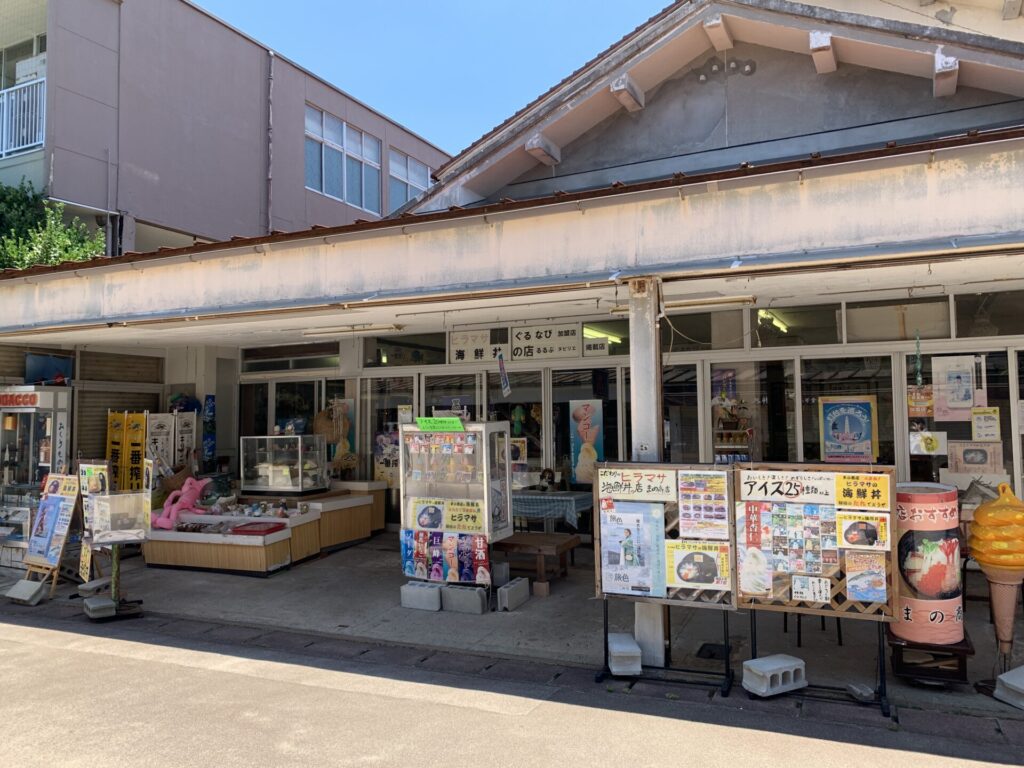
<point>74,698</point>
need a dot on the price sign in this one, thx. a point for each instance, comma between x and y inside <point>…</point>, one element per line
<point>791,487</point>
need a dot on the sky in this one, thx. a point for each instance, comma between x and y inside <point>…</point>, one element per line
<point>448,70</point>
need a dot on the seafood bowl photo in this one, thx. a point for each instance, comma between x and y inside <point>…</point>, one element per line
<point>929,563</point>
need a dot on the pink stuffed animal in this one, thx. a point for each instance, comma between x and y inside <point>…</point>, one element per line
<point>181,501</point>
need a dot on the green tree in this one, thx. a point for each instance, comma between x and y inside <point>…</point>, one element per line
<point>21,208</point>
<point>50,241</point>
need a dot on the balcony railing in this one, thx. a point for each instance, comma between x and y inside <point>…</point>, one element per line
<point>22,117</point>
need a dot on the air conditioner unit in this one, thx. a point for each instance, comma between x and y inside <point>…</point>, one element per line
<point>30,69</point>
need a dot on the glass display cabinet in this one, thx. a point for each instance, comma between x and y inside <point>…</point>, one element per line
<point>284,464</point>
<point>457,481</point>
<point>33,439</point>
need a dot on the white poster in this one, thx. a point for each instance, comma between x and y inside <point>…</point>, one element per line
<point>953,387</point>
<point>812,589</point>
<point>184,436</point>
<point>632,540</point>
<point>160,437</point>
<point>791,487</point>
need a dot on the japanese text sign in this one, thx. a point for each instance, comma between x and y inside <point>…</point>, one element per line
<point>790,487</point>
<point>862,491</point>
<point>655,484</point>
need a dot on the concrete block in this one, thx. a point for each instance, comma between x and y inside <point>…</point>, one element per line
<point>422,596</point>
<point>772,675</point>
<point>28,592</point>
<point>99,607</point>
<point>94,587</point>
<point>624,655</point>
<point>542,589</point>
<point>499,574</point>
<point>1010,687</point>
<point>464,599</point>
<point>513,594</point>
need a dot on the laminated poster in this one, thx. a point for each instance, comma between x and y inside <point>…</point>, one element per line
<point>428,514</point>
<point>465,515</point>
<point>703,505</point>
<point>863,530</point>
<point>421,554</point>
<point>848,429</point>
<point>985,425</point>
<point>481,558</point>
<point>407,545</point>
<point>865,576</point>
<point>632,537</point>
<point>450,545</point>
<point>920,402</point>
<point>812,589</point>
<point>953,387</point>
<point>586,438</point>
<point>697,565</point>
<point>753,564</point>
<point>435,552</point>
<point>863,491</point>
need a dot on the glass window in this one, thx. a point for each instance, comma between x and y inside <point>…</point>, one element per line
<point>419,174</point>
<point>313,177</point>
<point>371,148</point>
<point>398,194</point>
<point>371,188</point>
<point>253,400</point>
<point>455,393</point>
<point>606,337</point>
<point>990,314</point>
<point>854,395</point>
<point>381,401</point>
<point>334,173</point>
<point>523,410</point>
<point>408,178</point>
<point>397,165</point>
<point>334,130</point>
<point>679,411</point>
<point>411,349</point>
<point>291,357</point>
<point>353,181</point>
<point>585,425</point>
<point>295,406</point>
<point>702,330</point>
<point>795,326</point>
<point>942,448</point>
<point>353,140</point>
<point>314,121</point>
<point>905,320</point>
<point>753,415</point>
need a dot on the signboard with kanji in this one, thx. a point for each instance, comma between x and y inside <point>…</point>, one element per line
<point>542,342</point>
<point>477,346</point>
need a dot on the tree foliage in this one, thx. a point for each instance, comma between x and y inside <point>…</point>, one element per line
<point>33,231</point>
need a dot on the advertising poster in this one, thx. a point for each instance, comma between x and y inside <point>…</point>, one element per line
<point>517,449</point>
<point>450,544</point>
<point>632,536</point>
<point>465,515</point>
<point>184,436</point>
<point>928,444</point>
<point>94,478</point>
<point>697,565</point>
<point>385,458</point>
<point>115,442</point>
<point>703,505</point>
<point>976,458</point>
<point>160,437</point>
<point>865,576</point>
<point>863,491</point>
<point>848,429</point>
<point>407,547</point>
<point>421,554</point>
<point>985,425</point>
<point>812,589</point>
<point>753,563</point>
<point>51,522</point>
<point>481,559</point>
<point>920,402</point>
<point>863,530</point>
<point>428,514</point>
<point>586,437</point>
<point>784,486</point>
<point>953,387</point>
<point>435,553</point>
<point>655,484</point>
<point>134,452</point>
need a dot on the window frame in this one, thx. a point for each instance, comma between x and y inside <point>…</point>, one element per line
<point>404,179</point>
<point>359,156</point>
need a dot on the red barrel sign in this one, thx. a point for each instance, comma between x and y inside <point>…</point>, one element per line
<point>930,600</point>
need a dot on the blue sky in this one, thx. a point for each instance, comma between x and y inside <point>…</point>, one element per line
<point>450,70</point>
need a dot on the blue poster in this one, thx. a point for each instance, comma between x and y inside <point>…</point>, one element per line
<point>586,436</point>
<point>408,552</point>
<point>849,429</point>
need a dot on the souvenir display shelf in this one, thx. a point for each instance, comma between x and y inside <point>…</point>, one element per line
<point>287,464</point>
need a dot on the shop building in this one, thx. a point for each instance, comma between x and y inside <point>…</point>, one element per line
<point>166,126</point>
<point>764,204</point>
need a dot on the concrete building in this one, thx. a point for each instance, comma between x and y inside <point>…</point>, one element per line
<point>167,126</point>
<point>747,198</point>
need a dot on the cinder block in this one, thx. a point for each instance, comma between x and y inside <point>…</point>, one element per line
<point>499,574</point>
<point>28,592</point>
<point>771,675</point>
<point>99,607</point>
<point>422,596</point>
<point>464,599</point>
<point>624,655</point>
<point>513,594</point>
<point>94,587</point>
<point>1010,687</point>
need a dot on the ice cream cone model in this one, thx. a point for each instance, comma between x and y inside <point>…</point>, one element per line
<point>997,544</point>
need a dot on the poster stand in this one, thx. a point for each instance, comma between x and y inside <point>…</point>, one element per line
<point>49,532</point>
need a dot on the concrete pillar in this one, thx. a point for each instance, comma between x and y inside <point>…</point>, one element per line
<point>645,409</point>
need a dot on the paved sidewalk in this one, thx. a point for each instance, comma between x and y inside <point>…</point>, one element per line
<point>813,714</point>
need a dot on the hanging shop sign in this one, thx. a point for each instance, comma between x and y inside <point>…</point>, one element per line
<point>544,342</point>
<point>477,346</point>
<point>848,429</point>
<point>19,400</point>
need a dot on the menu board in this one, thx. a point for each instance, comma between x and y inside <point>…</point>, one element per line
<point>665,534</point>
<point>814,540</point>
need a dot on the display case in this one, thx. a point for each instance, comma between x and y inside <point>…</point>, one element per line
<point>455,499</point>
<point>284,464</point>
<point>33,439</point>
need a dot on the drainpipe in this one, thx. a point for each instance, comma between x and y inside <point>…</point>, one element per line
<point>270,142</point>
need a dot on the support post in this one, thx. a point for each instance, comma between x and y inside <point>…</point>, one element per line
<point>645,409</point>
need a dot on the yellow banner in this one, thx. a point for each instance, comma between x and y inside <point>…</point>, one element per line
<point>134,451</point>
<point>115,446</point>
<point>856,491</point>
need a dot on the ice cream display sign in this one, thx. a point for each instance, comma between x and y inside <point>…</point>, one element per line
<point>586,437</point>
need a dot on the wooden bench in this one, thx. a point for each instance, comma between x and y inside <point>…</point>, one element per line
<point>541,546</point>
